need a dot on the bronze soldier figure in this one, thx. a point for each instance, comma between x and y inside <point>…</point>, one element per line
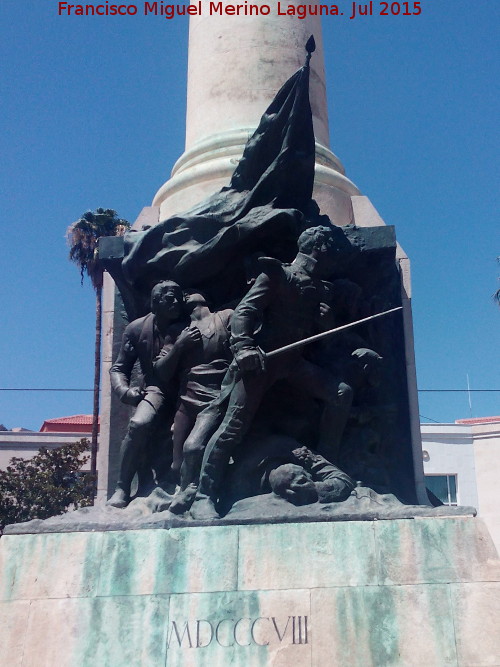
<point>200,357</point>
<point>142,340</point>
<point>285,304</point>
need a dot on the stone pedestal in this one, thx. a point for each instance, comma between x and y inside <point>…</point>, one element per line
<point>370,593</point>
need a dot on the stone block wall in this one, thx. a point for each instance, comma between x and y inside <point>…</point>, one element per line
<point>408,592</point>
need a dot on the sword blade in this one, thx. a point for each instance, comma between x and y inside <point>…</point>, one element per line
<point>325,334</point>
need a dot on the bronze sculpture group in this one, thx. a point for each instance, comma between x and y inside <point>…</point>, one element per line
<point>213,291</point>
<point>219,362</point>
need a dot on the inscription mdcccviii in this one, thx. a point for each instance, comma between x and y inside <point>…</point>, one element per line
<point>244,632</point>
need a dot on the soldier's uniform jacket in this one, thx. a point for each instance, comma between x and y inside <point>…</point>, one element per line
<point>141,341</point>
<point>282,307</point>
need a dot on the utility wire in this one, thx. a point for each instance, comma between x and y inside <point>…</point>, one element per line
<point>430,419</point>
<point>420,390</point>
<point>462,390</point>
<point>31,389</point>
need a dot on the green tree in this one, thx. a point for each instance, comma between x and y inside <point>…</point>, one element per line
<point>45,485</point>
<point>83,236</point>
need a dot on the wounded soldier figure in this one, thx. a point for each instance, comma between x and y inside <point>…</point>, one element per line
<point>199,358</point>
<point>278,464</point>
<point>313,479</point>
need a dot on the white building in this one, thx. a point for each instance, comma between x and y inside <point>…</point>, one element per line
<point>462,466</point>
<point>21,443</point>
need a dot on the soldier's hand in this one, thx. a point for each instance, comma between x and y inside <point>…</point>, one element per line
<point>326,316</point>
<point>301,453</point>
<point>305,456</point>
<point>324,309</point>
<point>250,359</point>
<point>133,396</point>
<point>188,338</point>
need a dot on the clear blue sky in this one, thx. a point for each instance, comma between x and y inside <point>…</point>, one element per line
<point>92,115</point>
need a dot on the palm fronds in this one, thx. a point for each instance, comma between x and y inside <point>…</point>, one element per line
<point>83,236</point>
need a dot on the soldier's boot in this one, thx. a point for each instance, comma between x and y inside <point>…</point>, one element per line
<point>120,498</point>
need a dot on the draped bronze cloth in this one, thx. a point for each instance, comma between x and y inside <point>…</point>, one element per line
<point>261,211</point>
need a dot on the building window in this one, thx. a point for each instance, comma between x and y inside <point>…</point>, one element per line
<point>443,487</point>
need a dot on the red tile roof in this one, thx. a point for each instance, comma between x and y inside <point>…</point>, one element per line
<point>478,420</point>
<point>72,424</point>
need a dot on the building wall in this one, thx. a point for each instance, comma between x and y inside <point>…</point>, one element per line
<point>472,453</point>
<point>25,444</point>
<point>487,464</point>
<point>450,450</point>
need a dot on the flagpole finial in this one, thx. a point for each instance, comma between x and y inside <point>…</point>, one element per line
<point>310,48</point>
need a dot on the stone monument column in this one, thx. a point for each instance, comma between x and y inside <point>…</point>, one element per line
<point>236,65</point>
